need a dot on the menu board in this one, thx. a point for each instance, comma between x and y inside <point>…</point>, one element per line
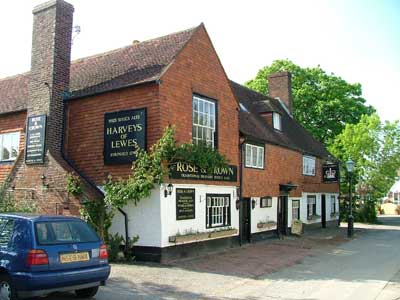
<point>185,204</point>
<point>35,140</point>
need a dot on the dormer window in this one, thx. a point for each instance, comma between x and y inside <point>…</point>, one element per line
<point>277,121</point>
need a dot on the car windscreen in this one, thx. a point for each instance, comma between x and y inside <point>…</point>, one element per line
<point>64,232</point>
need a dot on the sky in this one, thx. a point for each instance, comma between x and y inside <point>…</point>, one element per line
<point>358,40</point>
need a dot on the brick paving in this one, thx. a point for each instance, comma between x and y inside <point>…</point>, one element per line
<point>258,259</point>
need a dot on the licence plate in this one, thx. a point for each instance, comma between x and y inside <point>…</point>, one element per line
<point>74,257</point>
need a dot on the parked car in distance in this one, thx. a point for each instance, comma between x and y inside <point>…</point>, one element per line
<point>40,255</point>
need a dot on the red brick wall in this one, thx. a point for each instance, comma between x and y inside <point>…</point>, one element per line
<point>282,166</point>
<point>43,187</point>
<point>197,69</point>
<point>12,123</point>
<point>85,124</point>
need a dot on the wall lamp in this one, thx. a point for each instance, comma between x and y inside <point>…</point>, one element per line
<point>253,204</point>
<point>168,190</point>
<point>43,178</point>
<point>237,204</point>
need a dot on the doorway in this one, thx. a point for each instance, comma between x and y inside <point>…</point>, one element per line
<point>282,217</point>
<point>245,227</point>
<point>323,211</point>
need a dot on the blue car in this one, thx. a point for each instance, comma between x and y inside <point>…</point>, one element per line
<point>40,255</point>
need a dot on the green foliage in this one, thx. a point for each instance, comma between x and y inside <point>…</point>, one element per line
<point>150,168</point>
<point>8,203</point>
<point>116,245</point>
<point>323,103</point>
<point>375,149</point>
<point>74,186</point>
<point>201,155</point>
<point>99,215</point>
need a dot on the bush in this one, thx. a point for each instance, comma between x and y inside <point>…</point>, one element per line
<point>116,247</point>
<point>8,203</point>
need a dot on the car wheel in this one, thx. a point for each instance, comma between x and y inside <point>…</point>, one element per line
<point>87,293</point>
<point>7,290</point>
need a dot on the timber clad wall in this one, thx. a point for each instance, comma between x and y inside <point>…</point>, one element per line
<point>14,122</point>
<point>85,123</point>
<point>282,166</point>
<point>197,69</point>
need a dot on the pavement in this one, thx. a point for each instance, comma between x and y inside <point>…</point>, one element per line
<point>323,264</point>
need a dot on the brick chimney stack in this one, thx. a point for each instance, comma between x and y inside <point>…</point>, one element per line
<point>50,66</point>
<point>280,86</point>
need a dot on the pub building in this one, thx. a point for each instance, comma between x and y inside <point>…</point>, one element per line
<point>84,117</point>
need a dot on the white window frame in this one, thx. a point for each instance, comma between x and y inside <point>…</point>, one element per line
<point>254,156</point>
<point>265,202</point>
<point>219,206</point>
<point>309,165</point>
<point>296,208</point>
<point>12,135</point>
<point>204,121</point>
<point>333,204</point>
<point>311,206</point>
<point>277,121</point>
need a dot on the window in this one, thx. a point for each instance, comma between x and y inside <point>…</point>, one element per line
<point>204,121</point>
<point>309,165</point>
<point>9,145</point>
<point>60,232</point>
<point>254,156</point>
<point>333,204</point>
<point>295,209</point>
<point>311,206</point>
<point>266,202</point>
<point>277,121</point>
<point>6,231</point>
<point>218,210</point>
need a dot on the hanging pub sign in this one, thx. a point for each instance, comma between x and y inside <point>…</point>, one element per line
<point>183,170</point>
<point>330,173</point>
<point>35,140</point>
<point>185,204</point>
<point>124,132</point>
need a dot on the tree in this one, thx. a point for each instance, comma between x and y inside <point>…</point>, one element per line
<point>323,103</point>
<point>375,148</point>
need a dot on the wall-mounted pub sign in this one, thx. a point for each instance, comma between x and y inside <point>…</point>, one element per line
<point>124,131</point>
<point>185,204</point>
<point>183,170</point>
<point>330,173</point>
<point>35,140</point>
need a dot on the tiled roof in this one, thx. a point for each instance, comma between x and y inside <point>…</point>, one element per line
<point>14,93</point>
<point>251,124</point>
<point>130,65</point>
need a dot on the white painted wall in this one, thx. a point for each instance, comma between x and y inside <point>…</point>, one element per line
<point>303,207</point>
<point>143,220</point>
<point>170,226</point>
<point>263,214</point>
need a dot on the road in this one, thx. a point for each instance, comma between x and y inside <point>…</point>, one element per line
<point>364,268</point>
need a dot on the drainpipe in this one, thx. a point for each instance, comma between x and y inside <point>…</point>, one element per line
<point>241,143</point>
<point>126,250</point>
<point>81,174</point>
